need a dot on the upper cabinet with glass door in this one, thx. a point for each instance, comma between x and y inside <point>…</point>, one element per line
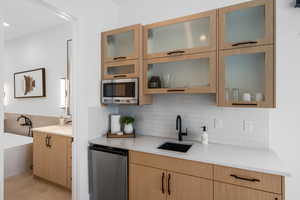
<point>122,44</point>
<point>185,35</point>
<point>247,24</point>
<point>181,74</point>
<point>246,77</point>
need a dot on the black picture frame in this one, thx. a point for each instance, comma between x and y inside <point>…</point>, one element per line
<point>43,70</point>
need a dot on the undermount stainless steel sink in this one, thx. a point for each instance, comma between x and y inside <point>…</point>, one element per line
<point>175,147</point>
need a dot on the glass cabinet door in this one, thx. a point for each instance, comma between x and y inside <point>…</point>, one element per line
<point>124,69</point>
<point>186,35</point>
<point>183,74</point>
<point>246,77</point>
<point>122,44</point>
<point>246,24</point>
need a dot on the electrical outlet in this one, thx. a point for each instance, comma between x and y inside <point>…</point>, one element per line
<point>248,126</point>
<point>218,123</point>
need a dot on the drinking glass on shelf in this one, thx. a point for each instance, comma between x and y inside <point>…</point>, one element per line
<point>259,96</point>
<point>235,94</point>
<point>227,94</point>
<point>166,80</point>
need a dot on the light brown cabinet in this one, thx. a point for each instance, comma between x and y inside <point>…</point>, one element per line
<point>157,184</point>
<point>188,187</point>
<point>185,35</point>
<point>123,69</point>
<point>247,24</point>
<point>229,51</point>
<point>51,158</point>
<point>146,183</point>
<point>122,44</point>
<point>122,57</point>
<point>182,74</point>
<point>224,191</point>
<point>250,72</point>
<point>155,177</point>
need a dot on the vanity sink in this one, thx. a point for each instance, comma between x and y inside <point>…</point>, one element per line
<point>175,147</point>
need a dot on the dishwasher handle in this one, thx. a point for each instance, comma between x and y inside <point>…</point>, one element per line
<point>107,149</point>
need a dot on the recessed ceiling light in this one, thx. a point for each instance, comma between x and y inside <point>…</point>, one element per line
<point>5,24</point>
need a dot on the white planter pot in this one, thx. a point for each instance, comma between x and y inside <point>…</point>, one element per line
<point>128,128</point>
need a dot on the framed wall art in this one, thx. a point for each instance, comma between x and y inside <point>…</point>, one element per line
<point>30,84</point>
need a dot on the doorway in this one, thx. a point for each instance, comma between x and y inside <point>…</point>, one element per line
<point>37,38</point>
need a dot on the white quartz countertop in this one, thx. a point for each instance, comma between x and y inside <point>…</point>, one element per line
<point>56,130</point>
<point>260,160</point>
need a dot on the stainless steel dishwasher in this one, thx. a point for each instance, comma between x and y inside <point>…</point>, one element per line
<point>108,173</point>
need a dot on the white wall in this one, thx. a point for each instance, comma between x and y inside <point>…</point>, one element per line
<point>198,110</point>
<point>284,121</point>
<point>46,49</point>
<point>1,109</point>
<point>89,119</point>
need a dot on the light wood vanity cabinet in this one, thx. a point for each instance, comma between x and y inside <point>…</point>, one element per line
<point>246,24</point>
<point>155,177</point>
<point>185,35</point>
<point>52,159</point>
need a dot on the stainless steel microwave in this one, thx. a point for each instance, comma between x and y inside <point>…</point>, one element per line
<point>120,91</point>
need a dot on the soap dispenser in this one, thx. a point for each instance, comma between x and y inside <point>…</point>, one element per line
<point>204,137</point>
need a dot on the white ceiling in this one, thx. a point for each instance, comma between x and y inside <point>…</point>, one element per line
<point>26,17</point>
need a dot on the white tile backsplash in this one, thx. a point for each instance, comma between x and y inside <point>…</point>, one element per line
<point>159,119</point>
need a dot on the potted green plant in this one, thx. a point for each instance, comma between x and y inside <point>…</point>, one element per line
<point>127,121</point>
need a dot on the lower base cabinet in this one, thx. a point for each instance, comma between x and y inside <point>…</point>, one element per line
<point>147,183</point>
<point>155,177</point>
<point>185,187</point>
<point>223,191</point>
<point>52,158</point>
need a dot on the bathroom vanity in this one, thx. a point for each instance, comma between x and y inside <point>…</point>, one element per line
<point>52,154</point>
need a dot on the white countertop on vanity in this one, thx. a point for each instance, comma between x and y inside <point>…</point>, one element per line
<point>56,130</point>
<point>260,160</point>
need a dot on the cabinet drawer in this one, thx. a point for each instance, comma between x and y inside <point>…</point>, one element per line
<point>172,164</point>
<point>261,181</point>
<point>224,191</point>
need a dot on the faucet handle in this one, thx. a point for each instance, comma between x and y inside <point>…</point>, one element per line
<point>186,132</point>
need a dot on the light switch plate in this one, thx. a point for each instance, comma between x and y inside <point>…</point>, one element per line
<point>218,123</point>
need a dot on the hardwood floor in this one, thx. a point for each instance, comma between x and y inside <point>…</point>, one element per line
<point>26,187</point>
